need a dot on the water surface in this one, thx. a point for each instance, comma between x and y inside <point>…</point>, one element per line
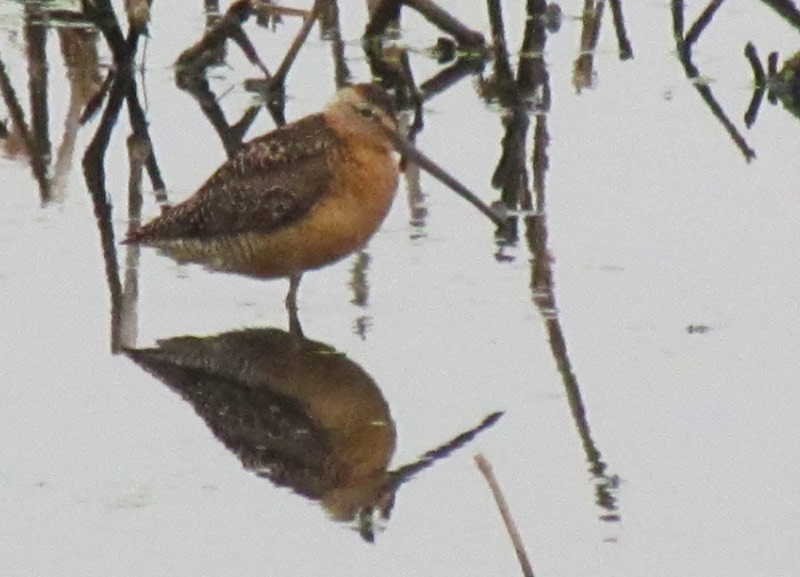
<point>641,334</point>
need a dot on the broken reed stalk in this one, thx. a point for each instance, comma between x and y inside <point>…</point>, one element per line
<point>280,75</point>
<point>449,76</point>
<point>702,21</point>
<point>759,84</point>
<point>772,64</point>
<point>14,108</point>
<point>446,22</point>
<point>519,547</point>
<point>623,44</point>
<point>388,10</point>
<point>759,77</point>
<point>786,10</point>
<point>684,50</point>
<point>200,55</point>
<point>502,64</point>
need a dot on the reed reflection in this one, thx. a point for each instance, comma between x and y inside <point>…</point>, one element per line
<point>780,85</point>
<point>522,94</point>
<point>685,42</point>
<point>28,136</point>
<point>296,412</point>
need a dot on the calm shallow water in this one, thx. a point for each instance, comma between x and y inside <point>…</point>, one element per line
<point>649,389</point>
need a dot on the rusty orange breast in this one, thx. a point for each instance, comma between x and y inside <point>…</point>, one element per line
<point>360,196</point>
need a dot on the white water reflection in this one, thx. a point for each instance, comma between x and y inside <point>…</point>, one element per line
<point>654,223</point>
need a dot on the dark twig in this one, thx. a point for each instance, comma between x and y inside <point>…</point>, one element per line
<point>36,52</point>
<point>543,295</point>
<point>231,135</point>
<point>502,67</point>
<point>390,67</point>
<point>772,72</point>
<point>702,21</point>
<point>759,84</point>
<point>533,81</point>
<point>384,14</point>
<point>205,51</point>
<point>505,512</point>
<point>240,128</point>
<point>20,125</point>
<point>446,22</point>
<point>443,20</point>
<point>625,48</point>
<point>449,76</point>
<point>280,75</point>
<point>331,30</point>
<point>103,16</point>
<point>96,101</point>
<point>123,50</point>
<point>759,78</point>
<point>678,23</point>
<point>786,9</point>
<point>510,176</point>
<point>116,96</point>
<point>684,50</point>
<point>752,109</point>
<point>241,39</point>
<point>94,172</point>
<point>772,64</point>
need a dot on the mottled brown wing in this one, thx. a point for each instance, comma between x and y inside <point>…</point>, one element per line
<point>270,183</point>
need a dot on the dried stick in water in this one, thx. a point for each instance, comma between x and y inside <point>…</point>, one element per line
<point>519,547</point>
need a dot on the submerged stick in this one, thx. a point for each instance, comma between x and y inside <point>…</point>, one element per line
<point>519,547</point>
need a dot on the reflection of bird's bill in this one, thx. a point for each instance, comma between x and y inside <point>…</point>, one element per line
<point>412,154</point>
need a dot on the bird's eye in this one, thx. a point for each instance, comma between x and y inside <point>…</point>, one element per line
<point>366,112</point>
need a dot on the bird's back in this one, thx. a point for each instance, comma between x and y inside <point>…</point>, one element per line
<point>298,198</point>
<point>270,182</point>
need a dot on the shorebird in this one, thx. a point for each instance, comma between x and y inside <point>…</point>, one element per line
<point>298,198</point>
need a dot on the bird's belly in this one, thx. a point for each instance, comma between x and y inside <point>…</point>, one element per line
<point>338,224</point>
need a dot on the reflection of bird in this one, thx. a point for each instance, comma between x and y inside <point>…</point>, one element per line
<point>293,410</point>
<point>298,198</point>
<point>296,412</point>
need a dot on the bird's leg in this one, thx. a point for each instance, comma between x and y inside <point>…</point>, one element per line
<point>291,305</point>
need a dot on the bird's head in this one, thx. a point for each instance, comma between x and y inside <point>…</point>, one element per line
<point>364,111</point>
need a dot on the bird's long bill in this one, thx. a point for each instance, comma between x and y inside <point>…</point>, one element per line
<point>404,147</point>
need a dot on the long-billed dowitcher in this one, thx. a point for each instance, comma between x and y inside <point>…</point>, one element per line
<point>298,198</point>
